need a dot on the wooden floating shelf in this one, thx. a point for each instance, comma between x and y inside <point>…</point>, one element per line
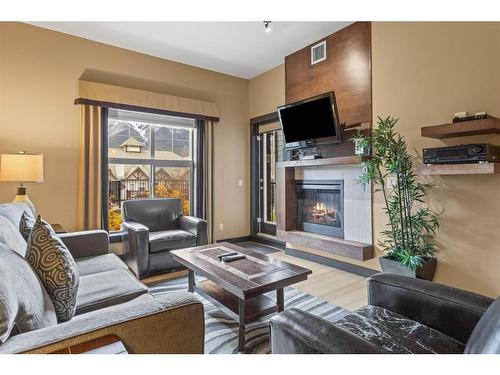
<point>458,169</point>
<point>351,249</point>
<point>490,125</point>
<point>343,160</point>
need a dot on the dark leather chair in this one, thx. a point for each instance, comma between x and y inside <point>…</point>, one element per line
<point>154,227</point>
<point>404,315</point>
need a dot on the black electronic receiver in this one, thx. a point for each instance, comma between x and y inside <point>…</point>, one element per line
<point>470,153</point>
<point>231,258</point>
<point>226,255</point>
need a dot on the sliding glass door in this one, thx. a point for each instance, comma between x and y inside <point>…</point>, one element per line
<point>268,150</point>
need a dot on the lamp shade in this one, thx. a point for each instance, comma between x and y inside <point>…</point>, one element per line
<point>21,167</point>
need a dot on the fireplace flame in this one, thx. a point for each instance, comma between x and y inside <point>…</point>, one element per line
<point>320,208</point>
<point>322,214</point>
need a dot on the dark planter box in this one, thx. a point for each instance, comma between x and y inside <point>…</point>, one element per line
<point>425,272</point>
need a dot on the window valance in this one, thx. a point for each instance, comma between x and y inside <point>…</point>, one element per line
<point>111,96</point>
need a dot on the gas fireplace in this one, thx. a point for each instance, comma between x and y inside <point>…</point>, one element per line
<point>320,207</point>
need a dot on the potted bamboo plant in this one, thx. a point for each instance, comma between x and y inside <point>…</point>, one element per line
<point>408,240</point>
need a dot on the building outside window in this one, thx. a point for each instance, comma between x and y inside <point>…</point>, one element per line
<point>149,155</point>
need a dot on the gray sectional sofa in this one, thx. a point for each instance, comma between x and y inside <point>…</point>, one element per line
<point>111,300</point>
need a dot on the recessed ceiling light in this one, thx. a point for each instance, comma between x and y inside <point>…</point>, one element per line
<point>267,25</point>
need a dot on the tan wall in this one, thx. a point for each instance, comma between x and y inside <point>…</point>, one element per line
<point>39,70</point>
<point>423,73</point>
<point>267,91</point>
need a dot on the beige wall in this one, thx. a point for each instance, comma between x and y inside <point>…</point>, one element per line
<point>39,70</point>
<point>423,73</point>
<point>267,91</point>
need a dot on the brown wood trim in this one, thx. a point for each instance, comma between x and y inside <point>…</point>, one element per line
<point>265,119</point>
<point>351,249</point>
<point>89,345</point>
<point>129,107</point>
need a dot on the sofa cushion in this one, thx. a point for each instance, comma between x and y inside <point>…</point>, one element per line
<point>24,303</point>
<point>26,224</point>
<point>13,211</point>
<point>100,263</point>
<point>396,333</point>
<point>56,268</point>
<point>106,289</point>
<point>170,240</point>
<point>485,338</point>
<point>10,237</point>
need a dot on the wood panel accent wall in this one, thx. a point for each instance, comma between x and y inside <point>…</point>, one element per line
<point>346,71</point>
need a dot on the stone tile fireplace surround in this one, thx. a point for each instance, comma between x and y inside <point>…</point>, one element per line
<point>356,210</point>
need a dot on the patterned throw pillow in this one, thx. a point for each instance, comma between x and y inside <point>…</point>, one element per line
<point>26,224</point>
<point>56,268</point>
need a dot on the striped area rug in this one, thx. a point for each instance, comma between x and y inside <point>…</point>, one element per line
<point>221,332</point>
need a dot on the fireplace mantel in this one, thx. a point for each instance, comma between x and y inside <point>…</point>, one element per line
<point>344,160</point>
<point>286,207</point>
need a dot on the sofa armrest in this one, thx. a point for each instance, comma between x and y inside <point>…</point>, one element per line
<point>196,226</point>
<point>135,240</point>
<point>298,332</point>
<point>86,243</point>
<point>452,311</point>
<point>169,323</point>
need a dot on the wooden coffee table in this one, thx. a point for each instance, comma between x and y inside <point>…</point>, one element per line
<point>238,287</point>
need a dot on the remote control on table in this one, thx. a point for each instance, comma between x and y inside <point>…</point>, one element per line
<point>231,258</point>
<point>226,255</point>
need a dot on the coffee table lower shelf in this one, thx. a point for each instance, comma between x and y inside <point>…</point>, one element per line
<point>255,307</point>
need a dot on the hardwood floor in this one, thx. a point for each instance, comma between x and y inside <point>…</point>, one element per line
<point>338,287</point>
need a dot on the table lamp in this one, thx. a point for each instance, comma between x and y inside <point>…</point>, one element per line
<point>22,167</point>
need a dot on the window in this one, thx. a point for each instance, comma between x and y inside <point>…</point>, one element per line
<point>149,155</point>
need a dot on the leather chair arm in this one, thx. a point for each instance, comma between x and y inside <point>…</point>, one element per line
<point>452,311</point>
<point>136,227</point>
<point>135,239</point>
<point>86,243</point>
<point>298,332</point>
<point>196,226</point>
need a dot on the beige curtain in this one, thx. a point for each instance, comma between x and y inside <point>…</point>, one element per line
<point>208,177</point>
<point>90,169</point>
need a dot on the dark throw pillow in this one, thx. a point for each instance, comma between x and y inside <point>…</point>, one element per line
<point>26,224</point>
<point>24,303</point>
<point>56,268</point>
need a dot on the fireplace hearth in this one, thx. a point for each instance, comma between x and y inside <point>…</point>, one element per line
<point>320,206</point>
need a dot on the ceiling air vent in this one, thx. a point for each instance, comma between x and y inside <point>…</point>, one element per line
<point>318,52</point>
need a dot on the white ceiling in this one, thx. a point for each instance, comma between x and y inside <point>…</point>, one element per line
<point>240,49</point>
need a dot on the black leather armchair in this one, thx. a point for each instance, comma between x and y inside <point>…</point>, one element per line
<point>404,315</point>
<point>154,227</point>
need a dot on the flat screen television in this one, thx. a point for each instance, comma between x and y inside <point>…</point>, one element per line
<point>311,122</point>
